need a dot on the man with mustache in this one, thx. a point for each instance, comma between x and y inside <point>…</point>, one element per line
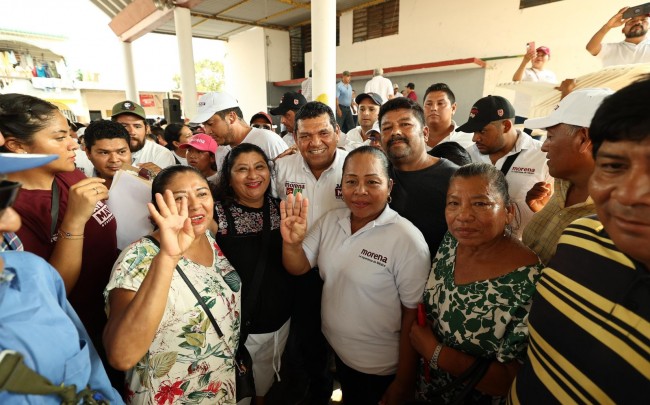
<point>634,49</point>
<point>420,180</point>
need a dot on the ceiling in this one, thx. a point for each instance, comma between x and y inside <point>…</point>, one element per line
<point>219,19</point>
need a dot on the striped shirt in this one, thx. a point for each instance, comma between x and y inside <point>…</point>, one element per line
<point>589,325</point>
<point>544,229</point>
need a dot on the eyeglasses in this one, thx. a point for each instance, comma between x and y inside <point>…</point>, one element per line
<point>262,126</point>
<point>8,193</point>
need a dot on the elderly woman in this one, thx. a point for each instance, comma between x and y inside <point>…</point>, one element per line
<point>479,290</point>
<point>157,329</point>
<point>64,219</point>
<point>374,265</point>
<point>249,234</point>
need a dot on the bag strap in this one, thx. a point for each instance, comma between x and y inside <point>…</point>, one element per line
<point>509,161</point>
<point>476,369</point>
<point>258,274</point>
<point>479,368</point>
<point>16,377</point>
<point>54,209</point>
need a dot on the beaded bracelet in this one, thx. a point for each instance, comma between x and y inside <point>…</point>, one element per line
<point>67,235</point>
<point>433,363</point>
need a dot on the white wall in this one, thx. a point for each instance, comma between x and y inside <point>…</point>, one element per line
<point>245,68</point>
<point>278,55</point>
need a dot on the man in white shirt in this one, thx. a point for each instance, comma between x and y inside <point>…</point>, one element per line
<point>369,104</point>
<point>305,87</point>
<point>515,153</point>
<point>144,153</point>
<point>439,108</point>
<point>380,85</point>
<point>221,117</point>
<point>634,49</point>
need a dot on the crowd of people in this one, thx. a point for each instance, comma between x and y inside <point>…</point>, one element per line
<point>412,259</point>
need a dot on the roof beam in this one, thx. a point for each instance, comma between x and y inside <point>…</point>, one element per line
<point>138,18</point>
<point>338,13</point>
<point>297,4</point>
<point>238,21</point>
<point>234,6</point>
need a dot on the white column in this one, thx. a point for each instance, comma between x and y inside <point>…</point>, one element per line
<point>323,46</point>
<point>183,23</point>
<point>129,74</point>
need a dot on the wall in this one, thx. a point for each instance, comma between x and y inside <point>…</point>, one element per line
<point>278,56</point>
<point>245,67</point>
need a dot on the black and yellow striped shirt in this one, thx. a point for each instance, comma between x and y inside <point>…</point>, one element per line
<point>589,325</point>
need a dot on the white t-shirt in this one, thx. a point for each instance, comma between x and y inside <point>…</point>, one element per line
<point>83,163</point>
<point>625,53</point>
<point>293,175</point>
<point>529,168</point>
<point>367,276</point>
<point>180,159</point>
<point>381,86</point>
<point>523,101</point>
<point>352,139</point>
<point>464,139</point>
<point>267,140</point>
<point>154,153</point>
<point>288,139</point>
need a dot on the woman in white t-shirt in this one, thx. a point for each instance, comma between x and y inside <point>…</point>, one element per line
<point>535,73</point>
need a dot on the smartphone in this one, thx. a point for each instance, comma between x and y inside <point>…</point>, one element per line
<point>643,9</point>
<point>530,46</point>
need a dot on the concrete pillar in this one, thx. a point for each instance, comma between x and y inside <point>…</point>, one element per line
<point>183,23</point>
<point>129,73</point>
<point>323,46</point>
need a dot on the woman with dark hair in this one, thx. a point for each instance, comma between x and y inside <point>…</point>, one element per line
<point>479,291</point>
<point>249,234</point>
<point>64,218</point>
<point>175,136</point>
<point>157,329</point>
<point>374,264</point>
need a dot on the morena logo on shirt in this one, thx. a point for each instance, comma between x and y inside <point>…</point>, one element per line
<point>373,257</point>
<point>293,188</point>
<point>338,192</point>
<point>523,170</point>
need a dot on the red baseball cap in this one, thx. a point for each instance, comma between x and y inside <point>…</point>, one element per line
<point>201,142</point>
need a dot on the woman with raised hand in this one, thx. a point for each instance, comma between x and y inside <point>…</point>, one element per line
<point>374,264</point>
<point>157,329</point>
<point>478,294</point>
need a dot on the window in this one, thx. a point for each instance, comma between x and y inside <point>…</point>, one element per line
<point>376,21</point>
<point>300,43</point>
<point>533,3</point>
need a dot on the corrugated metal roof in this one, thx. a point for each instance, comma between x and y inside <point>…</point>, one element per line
<point>219,19</point>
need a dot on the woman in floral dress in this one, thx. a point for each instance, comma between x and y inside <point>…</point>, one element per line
<point>479,290</point>
<point>157,331</point>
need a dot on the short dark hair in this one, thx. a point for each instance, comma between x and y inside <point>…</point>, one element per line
<point>411,86</point>
<point>104,129</point>
<point>622,116</point>
<point>440,87</point>
<point>315,109</point>
<point>223,191</point>
<point>172,134</point>
<point>21,116</point>
<point>402,103</point>
<point>370,150</point>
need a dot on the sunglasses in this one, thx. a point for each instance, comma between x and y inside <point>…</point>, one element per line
<point>262,126</point>
<point>8,193</point>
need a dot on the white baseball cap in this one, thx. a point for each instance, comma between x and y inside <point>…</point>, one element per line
<point>211,103</point>
<point>577,108</point>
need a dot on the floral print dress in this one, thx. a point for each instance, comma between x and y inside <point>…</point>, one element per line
<point>187,362</point>
<point>486,318</point>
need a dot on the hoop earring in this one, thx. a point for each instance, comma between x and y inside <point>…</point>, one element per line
<point>389,199</point>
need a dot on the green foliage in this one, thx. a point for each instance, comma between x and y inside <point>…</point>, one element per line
<point>209,76</point>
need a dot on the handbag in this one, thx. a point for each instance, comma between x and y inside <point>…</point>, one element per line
<point>468,379</point>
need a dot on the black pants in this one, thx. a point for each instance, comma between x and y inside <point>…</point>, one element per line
<point>360,388</point>
<point>346,122</point>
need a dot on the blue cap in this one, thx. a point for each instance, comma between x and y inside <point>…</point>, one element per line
<point>16,162</point>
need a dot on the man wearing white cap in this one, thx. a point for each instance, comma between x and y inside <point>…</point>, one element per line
<point>570,162</point>
<point>222,119</point>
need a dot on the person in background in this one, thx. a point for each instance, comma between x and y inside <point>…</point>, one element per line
<point>369,111</point>
<point>306,88</point>
<point>36,317</point>
<point>354,107</point>
<point>571,163</point>
<point>590,320</point>
<point>107,148</point>
<point>158,135</point>
<point>157,331</point>
<point>201,154</point>
<point>65,220</point>
<point>439,104</point>
<point>343,102</point>
<point>175,136</point>
<point>634,49</point>
<point>410,92</point>
<point>262,120</point>
<point>535,73</point>
<point>375,362</point>
<point>244,211</point>
<point>291,102</point>
<point>396,91</point>
<point>380,85</point>
<point>479,290</point>
<point>144,153</point>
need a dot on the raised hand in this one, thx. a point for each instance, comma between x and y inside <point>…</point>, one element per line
<point>617,20</point>
<point>82,199</point>
<point>293,215</point>
<point>174,225</point>
<point>538,195</point>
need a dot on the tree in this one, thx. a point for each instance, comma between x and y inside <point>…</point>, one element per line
<point>209,76</point>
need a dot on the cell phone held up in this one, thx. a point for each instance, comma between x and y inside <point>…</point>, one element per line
<point>636,11</point>
<point>530,46</point>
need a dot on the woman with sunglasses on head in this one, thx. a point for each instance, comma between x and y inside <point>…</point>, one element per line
<point>64,219</point>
